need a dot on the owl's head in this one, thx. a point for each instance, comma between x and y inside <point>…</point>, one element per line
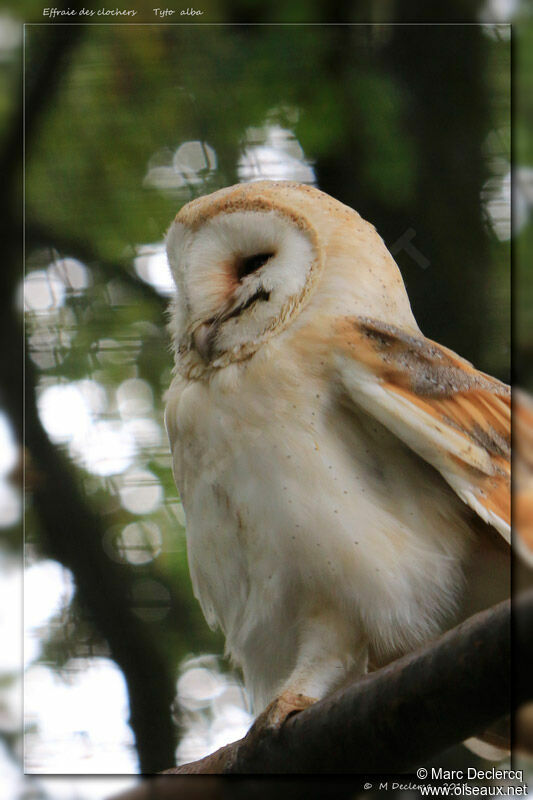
<point>248,259</point>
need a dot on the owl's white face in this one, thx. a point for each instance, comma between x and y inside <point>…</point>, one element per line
<point>240,277</point>
<point>247,260</point>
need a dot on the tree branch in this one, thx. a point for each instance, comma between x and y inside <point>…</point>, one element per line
<point>401,715</point>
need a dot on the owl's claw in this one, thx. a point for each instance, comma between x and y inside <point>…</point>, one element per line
<point>278,712</point>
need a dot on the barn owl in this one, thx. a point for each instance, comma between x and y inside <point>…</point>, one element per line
<point>345,480</point>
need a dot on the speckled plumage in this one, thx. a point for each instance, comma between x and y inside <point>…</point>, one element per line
<point>329,458</point>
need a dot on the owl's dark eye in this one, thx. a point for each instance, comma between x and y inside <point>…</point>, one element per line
<point>251,264</point>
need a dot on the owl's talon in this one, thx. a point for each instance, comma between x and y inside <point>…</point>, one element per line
<point>279,711</point>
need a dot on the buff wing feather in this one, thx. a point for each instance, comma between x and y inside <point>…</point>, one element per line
<point>456,418</point>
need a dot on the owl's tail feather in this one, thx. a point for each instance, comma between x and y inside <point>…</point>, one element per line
<point>494,744</point>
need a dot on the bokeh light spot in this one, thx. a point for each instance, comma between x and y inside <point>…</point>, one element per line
<point>139,542</point>
<point>107,450</point>
<point>273,153</point>
<point>63,412</point>
<point>43,291</point>
<point>8,447</point>
<point>141,492</point>
<point>71,272</point>
<point>152,266</point>
<point>134,398</point>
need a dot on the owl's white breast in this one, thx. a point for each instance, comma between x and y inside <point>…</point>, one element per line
<point>294,504</point>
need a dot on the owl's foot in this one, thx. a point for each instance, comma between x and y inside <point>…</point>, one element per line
<point>278,712</point>
<point>267,726</point>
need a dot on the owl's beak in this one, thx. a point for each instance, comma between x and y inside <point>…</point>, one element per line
<point>204,339</point>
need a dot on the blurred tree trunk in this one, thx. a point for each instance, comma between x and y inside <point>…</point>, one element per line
<point>447,99</point>
<point>71,532</point>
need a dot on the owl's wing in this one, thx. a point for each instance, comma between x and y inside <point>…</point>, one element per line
<point>454,417</point>
<point>523,475</point>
